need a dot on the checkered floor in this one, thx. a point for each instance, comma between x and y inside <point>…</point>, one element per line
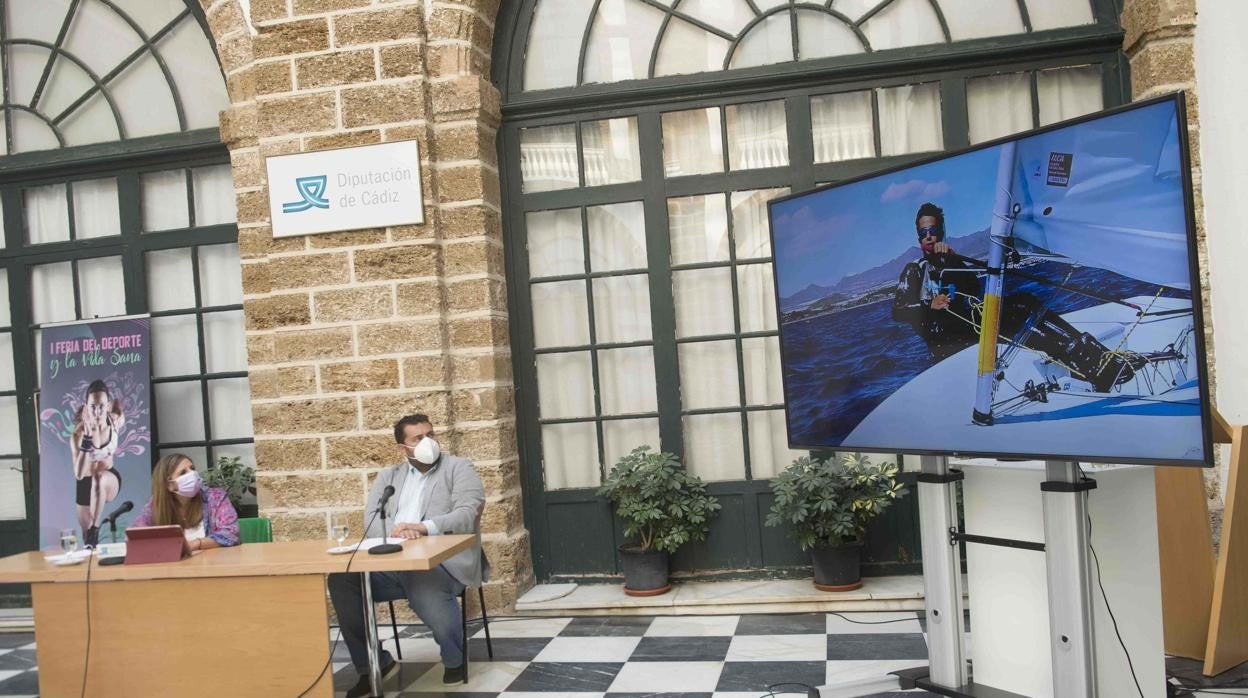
<point>731,656</point>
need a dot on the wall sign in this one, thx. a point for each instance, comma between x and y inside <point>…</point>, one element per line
<point>370,186</point>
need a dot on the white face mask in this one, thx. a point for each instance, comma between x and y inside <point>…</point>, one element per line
<point>188,483</point>
<point>427,451</point>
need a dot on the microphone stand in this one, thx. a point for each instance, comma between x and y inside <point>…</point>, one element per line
<point>384,548</point>
<point>112,536</point>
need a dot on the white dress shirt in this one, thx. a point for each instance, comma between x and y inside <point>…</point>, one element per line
<point>410,498</point>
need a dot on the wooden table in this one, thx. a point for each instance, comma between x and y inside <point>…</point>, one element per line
<point>251,620</point>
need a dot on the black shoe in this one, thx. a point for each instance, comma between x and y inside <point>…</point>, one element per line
<point>454,675</point>
<point>362,687</point>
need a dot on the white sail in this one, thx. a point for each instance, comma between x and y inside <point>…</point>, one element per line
<point>1108,193</point>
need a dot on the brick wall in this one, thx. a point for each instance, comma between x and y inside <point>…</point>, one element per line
<point>347,331</point>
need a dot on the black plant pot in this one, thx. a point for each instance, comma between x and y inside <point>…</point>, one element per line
<point>837,568</point>
<point>645,571</point>
<point>248,511</point>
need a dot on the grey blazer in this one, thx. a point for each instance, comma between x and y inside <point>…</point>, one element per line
<point>454,497</point>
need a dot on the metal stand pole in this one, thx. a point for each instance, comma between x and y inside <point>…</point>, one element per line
<point>1070,580</point>
<point>370,635</point>
<point>942,571</point>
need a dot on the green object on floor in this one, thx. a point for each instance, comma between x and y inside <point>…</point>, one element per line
<point>257,530</point>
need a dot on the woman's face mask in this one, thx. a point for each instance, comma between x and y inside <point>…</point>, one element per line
<point>187,484</point>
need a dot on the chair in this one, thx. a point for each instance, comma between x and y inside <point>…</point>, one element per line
<point>463,608</point>
<point>257,530</point>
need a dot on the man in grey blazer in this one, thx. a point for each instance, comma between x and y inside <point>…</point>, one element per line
<point>434,493</point>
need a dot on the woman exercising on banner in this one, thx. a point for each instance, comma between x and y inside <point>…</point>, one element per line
<point>92,446</point>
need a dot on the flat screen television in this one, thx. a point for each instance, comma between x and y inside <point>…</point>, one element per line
<point>1034,297</point>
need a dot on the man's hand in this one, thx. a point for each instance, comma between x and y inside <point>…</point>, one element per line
<point>409,530</point>
<point>941,248</point>
<point>940,302</point>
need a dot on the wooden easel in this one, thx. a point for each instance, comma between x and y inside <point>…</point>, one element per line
<point>1205,603</point>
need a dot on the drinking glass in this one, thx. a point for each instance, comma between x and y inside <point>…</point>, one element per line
<point>69,540</point>
<point>341,529</point>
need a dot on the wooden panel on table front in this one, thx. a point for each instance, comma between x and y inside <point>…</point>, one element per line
<point>1185,546</point>
<point>1228,625</point>
<point>240,636</point>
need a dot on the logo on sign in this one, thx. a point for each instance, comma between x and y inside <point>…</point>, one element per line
<point>312,189</point>
<point>1059,169</point>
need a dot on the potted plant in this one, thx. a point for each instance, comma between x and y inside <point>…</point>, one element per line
<point>827,505</point>
<point>238,480</point>
<point>663,506</point>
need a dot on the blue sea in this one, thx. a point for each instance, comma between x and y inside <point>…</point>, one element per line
<point>839,367</point>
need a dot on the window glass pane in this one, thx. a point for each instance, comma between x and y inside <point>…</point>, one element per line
<point>220,275</point>
<point>713,447</point>
<point>170,280</point>
<point>998,105</point>
<point>692,142</point>
<point>93,122</point>
<point>570,455</point>
<point>548,158</point>
<point>245,452</point>
<point>1069,92</point>
<point>29,131</point>
<point>214,195</point>
<point>554,241</point>
<point>560,314</point>
<point>1052,14</point>
<point>904,23</point>
<point>5,317</point>
<point>768,42</point>
<point>52,293</point>
<point>37,336</point>
<point>820,36</point>
<point>708,374</point>
<point>197,454</point>
<point>175,346</point>
<point>225,348</point>
<point>2,152</point>
<point>7,376</point>
<point>910,119</point>
<point>703,302</point>
<point>12,490</point>
<point>728,15</point>
<point>164,200</point>
<point>973,19</point>
<point>100,36</point>
<point>10,442</point>
<point>756,294</point>
<point>757,135</point>
<point>611,152</point>
<point>565,385</point>
<point>620,41</point>
<point>179,411</point>
<point>687,48</point>
<point>617,236</point>
<point>555,43</point>
<point>230,402</point>
<point>761,356</point>
<point>101,287</point>
<point>144,99</point>
<point>47,214</point>
<point>622,308</point>
<point>621,436</point>
<point>197,73</point>
<point>750,228</point>
<point>842,126</point>
<point>769,444</point>
<point>626,380</point>
<point>96,213</point>
<point>698,226</point>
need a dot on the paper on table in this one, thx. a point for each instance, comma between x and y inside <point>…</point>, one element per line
<point>370,542</point>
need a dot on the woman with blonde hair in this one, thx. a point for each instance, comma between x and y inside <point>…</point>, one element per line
<point>179,498</point>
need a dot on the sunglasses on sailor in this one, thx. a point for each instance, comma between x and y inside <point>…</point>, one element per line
<point>931,231</point>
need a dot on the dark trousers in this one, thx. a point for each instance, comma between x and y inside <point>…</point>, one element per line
<point>433,595</point>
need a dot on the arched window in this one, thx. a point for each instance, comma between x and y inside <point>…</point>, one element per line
<point>641,141</point>
<point>117,199</point>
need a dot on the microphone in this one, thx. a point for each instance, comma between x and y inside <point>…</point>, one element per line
<point>384,548</point>
<point>126,506</point>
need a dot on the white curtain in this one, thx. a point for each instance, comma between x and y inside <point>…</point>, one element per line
<point>560,314</point>
<point>173,338</point>
<point>554,242</point>
<point>617,236</point>
<point>47,214</point>
<point>96,212</point>
<point>170,283</point>
<point>698,229</point>
<point>52,293</point>
<point>611,152</point>
<point>910,119</point>
<point>757,135</point>
<point>164,200</point>
<point>692,142</point>
<point>713,446</point>
<point>101,287</point>
<point>708,374</point>
<point>214,195</point>
<point>548,158</point>
<point>750,226</point>
<point>1069,92</point>
<point>220,275</point>
<point>998,105</point>
<point>621,436</point>
<point>12,489</point>
<point>842,126</point>
<point>565,385</point>
<point>622,308</point>
<point>769,447</point>
<point>225,346</point>
<point>703,300</point>
<point>626,380</point>
<point>570,455</point>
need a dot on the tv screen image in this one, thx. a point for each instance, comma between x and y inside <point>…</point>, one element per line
<point>1035,297</point>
